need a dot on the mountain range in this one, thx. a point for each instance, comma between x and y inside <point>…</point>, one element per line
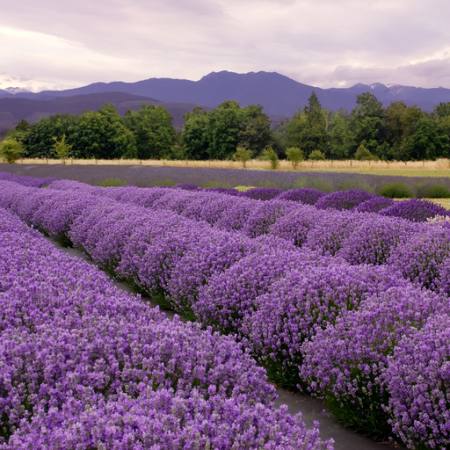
<point>279,95</point>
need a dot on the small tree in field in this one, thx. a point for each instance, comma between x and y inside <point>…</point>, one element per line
<point>62,148</point>
<point>363,154</point>
<point>243,155</point>
<point>269,154</point>
<point>316,155</point>
<point>294,155</point>
<point>11,150</point>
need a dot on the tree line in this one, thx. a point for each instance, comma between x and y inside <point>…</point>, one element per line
<point>369,131</point>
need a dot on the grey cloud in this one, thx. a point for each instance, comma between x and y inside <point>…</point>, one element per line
<point>317,41</point>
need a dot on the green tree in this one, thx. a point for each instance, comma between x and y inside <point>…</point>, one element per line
<point>368,123</point>
<point>430,140</point>
<point>314,134</point>
<point>39,140</point>
<point>153,131</point>
<point>243,155</point>
<point>62,148</point>
<point>316,155</point>
<point>224,128</point>
<point>102,135</point>
<point>255,133</point>
<point>442,110</point>
<point>362,154</point>
<point>11,150</point>
<point>195,134</point>
<point>341,139</point>
<point>294,156</point>
<point>269,154</point>
<point>401,122</point>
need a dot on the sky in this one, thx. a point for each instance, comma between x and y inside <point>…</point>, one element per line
<point>59,44</point>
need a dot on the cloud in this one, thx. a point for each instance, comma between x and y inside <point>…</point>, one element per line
<point>59,43</point>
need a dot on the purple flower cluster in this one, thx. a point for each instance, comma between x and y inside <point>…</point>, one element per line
<point>343,199</point>
<point>418,379</point>
<point>25,180</point>
<point>164,420</point>
<point>85,365</point>
<point>230,296</point>
<point>345,362</point>
<point>262,193</point>
<point>374,204</point>
<point>373,240</point>
<point>294,307</point>
<point>308,196</point>
<point>421,257</point>
<point>415,209</point>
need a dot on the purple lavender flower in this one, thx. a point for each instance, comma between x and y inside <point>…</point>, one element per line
<point>420,258</point>
<point>418,381</point>
<point>343,199</point>
<point>374,204</point>
<point>346,362</point>
<point>415,209</point>
<point>308,196</point>
<point>261,193</point>
<point>302,301</point>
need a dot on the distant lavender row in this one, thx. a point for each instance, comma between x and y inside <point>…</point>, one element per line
<point>250,286</point>
<point>147,176</point>
<point>84,365</point>
<point>25,180</point>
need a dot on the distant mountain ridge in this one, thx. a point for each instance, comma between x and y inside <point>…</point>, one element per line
<point>280,95</point>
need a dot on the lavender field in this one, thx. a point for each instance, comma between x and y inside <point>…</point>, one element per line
<point>343,296</point>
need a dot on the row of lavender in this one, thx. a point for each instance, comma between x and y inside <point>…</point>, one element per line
<point>84,365</point>
<point>279,300</point>
<point>419,251</point>
<point>353,199</point>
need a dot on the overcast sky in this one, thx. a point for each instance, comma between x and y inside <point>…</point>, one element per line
<point>60,43</point>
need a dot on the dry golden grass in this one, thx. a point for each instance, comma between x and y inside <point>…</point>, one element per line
<point>439,168</point>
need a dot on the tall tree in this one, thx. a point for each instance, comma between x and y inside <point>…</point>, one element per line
<point>368,123</point>
<point>255,133</point>
<point>341,139</point>
<point>153,131</point>
<point>314,135</point>
<point>102,135</point>
<point>195,134</point>
<point>224,128</point>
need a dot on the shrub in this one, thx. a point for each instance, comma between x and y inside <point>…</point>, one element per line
<point>415,210</point>
<point>295,225</point>
<point>363,154</point>
<point>418,382</point>
<point>316,155</point>
<point>346,362</point>
<point>112,182</point>
<point>262,193</point>
<point>294,155</point>
<point>421,257</point>
<point>269,154</point>
<point>373,240</point>
<point>433,191</point>
<point>243,155</point>
<point>62,148</point>
<point>395,190</point>
<point>374,204</point>
<point>343,199</point>
<point>302,301</point>
<point>309,196</point>
<point>11,150</point>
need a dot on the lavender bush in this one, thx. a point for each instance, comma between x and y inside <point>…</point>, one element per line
<point>345,363</point>
<point>418,380</point>
<point>415,210</point>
